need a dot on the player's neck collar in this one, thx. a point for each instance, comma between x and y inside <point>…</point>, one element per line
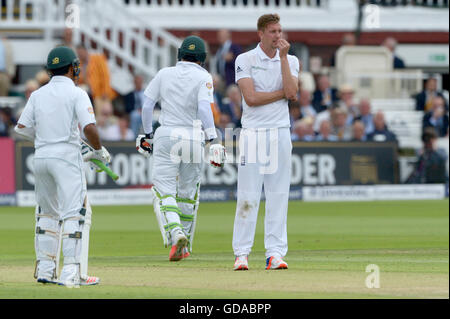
<point>61,78</point>
<point>264,56</point>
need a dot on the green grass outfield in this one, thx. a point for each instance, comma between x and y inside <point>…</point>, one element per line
<point>330,245</point>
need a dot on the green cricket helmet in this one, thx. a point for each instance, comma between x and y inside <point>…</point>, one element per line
<point>63,56</point>
<point>193,47</point>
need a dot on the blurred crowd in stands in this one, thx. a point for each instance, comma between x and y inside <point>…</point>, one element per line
<point>321,112</point>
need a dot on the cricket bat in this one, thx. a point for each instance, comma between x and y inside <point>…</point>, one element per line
<point>102,166</point>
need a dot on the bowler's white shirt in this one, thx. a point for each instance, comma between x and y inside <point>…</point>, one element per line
<point>179,90</point>
<point>266,75</point>
<point>55,111</point>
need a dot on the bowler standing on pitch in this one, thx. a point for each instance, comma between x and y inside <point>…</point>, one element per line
<point>268,78</point>
<point>50,119</point>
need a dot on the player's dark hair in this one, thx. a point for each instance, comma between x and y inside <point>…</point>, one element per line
<point>61,71</point>
<point>189,58</point>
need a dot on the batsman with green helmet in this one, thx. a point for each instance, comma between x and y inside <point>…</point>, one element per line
<point>63,216</point>
<point>185,93</point>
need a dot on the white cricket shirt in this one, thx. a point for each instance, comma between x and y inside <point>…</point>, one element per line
<point>266,75</point>
<point>179,90</point>
<point>54,111</point>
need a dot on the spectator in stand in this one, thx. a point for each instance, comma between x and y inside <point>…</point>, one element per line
<point>324,116</point>
<point>348,39</point>
<point>437,118</point>
<point>7,122</point>
<point>391,43</point>
<point>346,96</point>
<point>339,124</point>
<point>324,134</point>
<point>7,66</point>
<point>226,56</point>
<point>424,100</point>
<point>95,76</point>
<point>324,96</point>
<point>365,115</point>
<point>30,86</point>
<point>133,104</point>
<point>294,113</point>
<point>121,131</point>
<point>306,108</point>
<point>224,123</point>
<point>381,132</point>
<point>303,130</point>
<point>235,104</point>
<point>67,38</point>
<point>106,121</point>
<point>219,93</point>
<point>359,134</point>
<point>430,167</point>
<point>42,78</point>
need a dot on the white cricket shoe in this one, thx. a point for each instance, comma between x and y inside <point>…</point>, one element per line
<point>275,263</point>
<point>241,263</point>
<point>90,281</point>
<point>76,283</point>
<point>179,243</point>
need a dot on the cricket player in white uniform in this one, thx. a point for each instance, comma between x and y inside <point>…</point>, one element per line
<point>63,215</point>
<point>268,78</point>
<point>185,93</point>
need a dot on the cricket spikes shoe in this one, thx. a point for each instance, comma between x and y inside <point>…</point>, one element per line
<point>275,263</point>
<point>179,243</point>
<point>241,263</point>
<point>186,252</point>
<point>90,281</point>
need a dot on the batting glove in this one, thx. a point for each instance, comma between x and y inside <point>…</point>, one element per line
<point>144,144</point>
<point>217,155</point>
<point>89,153</point>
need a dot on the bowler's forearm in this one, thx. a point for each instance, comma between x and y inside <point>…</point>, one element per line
<point>290,86</point>
<point>263,98</point>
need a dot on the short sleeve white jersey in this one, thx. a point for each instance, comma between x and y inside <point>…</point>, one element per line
<point>179,90</point>
<point>266,75</point>
<point>55,111</point>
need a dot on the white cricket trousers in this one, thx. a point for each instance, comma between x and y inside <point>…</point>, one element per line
<point>264,161</point>
<point>60,188</point>
<point>176,171</point>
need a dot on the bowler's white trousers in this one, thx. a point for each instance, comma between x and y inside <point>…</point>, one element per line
<point>264,160</point>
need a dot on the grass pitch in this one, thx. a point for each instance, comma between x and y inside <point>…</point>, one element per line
<point>330,245</point>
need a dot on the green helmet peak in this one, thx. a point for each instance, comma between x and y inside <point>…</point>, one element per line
<point>193,47</point>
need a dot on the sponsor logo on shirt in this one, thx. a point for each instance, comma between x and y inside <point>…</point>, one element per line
<point>258,68</point>
<point>209,85</point>
<point>91,110</point>
<point>238,69</point>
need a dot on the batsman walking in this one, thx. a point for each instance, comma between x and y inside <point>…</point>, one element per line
<point>185,93</point>
<point>268,78</point>
<point>63,216</point>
